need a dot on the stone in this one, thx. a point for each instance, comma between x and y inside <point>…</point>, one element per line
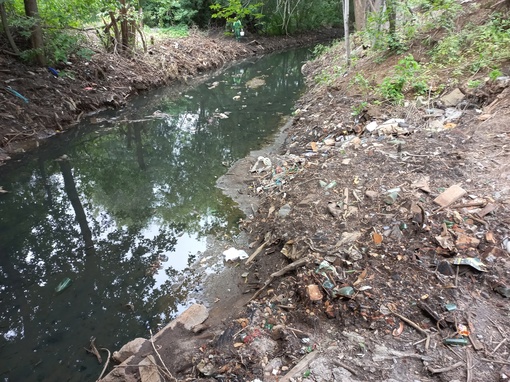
<point>453,98</point>
<point>121,374</point>
<point>320,370</point>
<point>129,349</point>
<point>450,195</point>
<point>148,370</point>
<point>284,210</point>
<point>371,127</point>
<point>195,315</point>
<point>314,293</point>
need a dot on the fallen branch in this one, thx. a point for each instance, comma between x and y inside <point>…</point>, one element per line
<point>257,251</point>
<point>497,347</point>
<point>105,365</point>
<point>93,350</point>
<point>445,369</point>
<point>281,272</point>
<point>346,367</point>
<point>495,361</point>
<point>469,366</point>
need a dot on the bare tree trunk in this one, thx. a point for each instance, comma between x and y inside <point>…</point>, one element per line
<point>392,18</point>
<point>32,11</point>
<point>3,15</point>
<point>346,33</point>
<point>124,25</point>
<point>360,14</point>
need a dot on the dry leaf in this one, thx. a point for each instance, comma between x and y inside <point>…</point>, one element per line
<point>377,238</point>
<point>361,277</point>
<point>314,146</point>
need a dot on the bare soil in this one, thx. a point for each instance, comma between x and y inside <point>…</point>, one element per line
<point>356,278</point>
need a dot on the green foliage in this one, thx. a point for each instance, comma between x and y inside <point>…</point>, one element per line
<point>165,13</point>
<point>494,74</point>
<point>408,76</point>
<point>473,84</point>
<point>329,75</point>
<point>177,31</point>
<point>359,108</point>
<point>413,17</point>
<point>319,50</point>
<point>362,83</point>
<point>234,9</point>
<point>475,47</point>
<point>60,45</point>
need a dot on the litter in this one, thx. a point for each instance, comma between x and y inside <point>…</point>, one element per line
<point>232,254</point>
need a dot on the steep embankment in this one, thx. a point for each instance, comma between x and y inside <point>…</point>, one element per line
<point>381,236</point>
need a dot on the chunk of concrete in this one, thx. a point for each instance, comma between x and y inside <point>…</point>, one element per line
<point>195,315</point>
<point>149,370</point>
<point>453,98</point>
<point>450,195</point>
<point>121,374</point>
<point>129,349</point>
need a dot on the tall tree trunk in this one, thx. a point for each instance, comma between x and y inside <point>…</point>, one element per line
<point>3,15</point>
<point>392,18</point>
<point>346,33</point>
<point>124,25</point>
<point>360,14</point>
<point>32,11</point>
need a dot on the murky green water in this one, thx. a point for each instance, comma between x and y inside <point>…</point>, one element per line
<point>122,208</point>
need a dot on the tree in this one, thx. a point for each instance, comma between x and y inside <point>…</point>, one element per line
<point>346,33</point>
<point>36,38</point>
<point>360,10</point>
<point>3,16</point>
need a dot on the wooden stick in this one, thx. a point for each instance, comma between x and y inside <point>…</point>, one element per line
<point>105,365</point>
<point>300,367</point>
<point>470,204</point>
<point>469,365</point>
<point>495,361</point>
<point>160,360</point>
<point>281,272</point>
<point>445,369</point>
<point>257,251</point>
<point>497,347</point>
<point>346,367</point>
<point>409,322</point>
<point>93,350</point>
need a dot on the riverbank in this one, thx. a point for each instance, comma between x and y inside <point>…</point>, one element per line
<point>379,244</point>
<point>45,105</point>
<point>380,247</point>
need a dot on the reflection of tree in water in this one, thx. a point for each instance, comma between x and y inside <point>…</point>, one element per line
<point>108,267</point>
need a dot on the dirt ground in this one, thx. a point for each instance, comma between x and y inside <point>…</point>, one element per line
<point>380,251</point>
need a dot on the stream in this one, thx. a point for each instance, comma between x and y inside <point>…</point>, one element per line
<point>102,227</point>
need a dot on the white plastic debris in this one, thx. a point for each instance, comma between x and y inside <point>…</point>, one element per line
<point>262,164</point>
<point>372,126</point>
<point>232,254</point>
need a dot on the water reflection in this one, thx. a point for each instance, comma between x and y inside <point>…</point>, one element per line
<point>122,207</point>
